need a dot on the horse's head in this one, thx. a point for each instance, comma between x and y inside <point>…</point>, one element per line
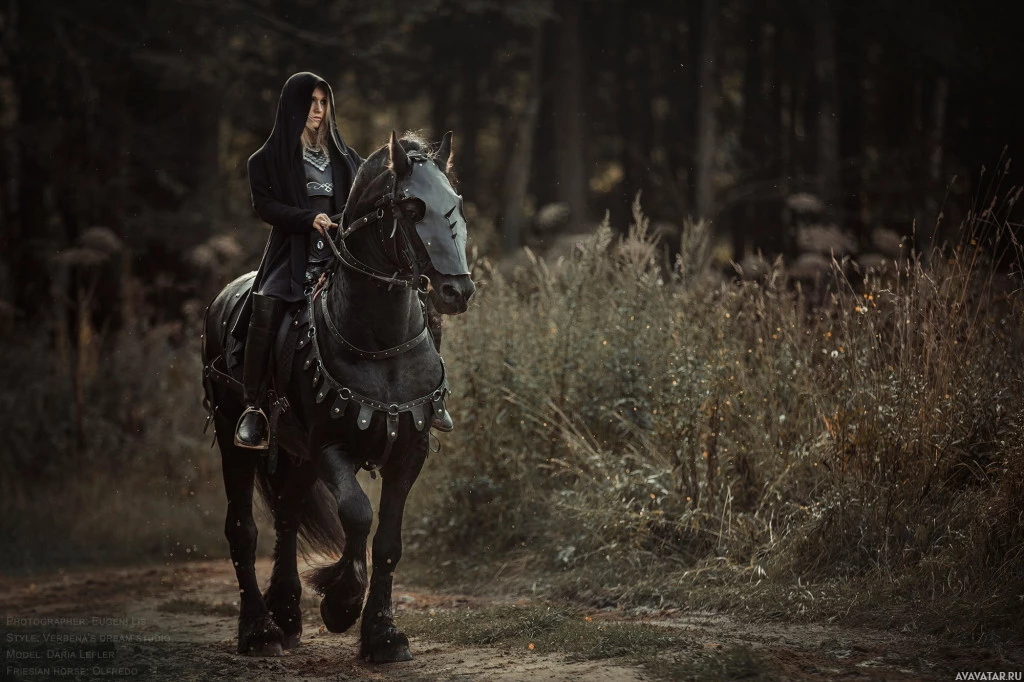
<point>420,230</point>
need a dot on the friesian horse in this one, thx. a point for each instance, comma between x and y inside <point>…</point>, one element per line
<point>361,389</point>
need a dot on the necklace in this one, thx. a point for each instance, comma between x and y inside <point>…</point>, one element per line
<point>317,158</point>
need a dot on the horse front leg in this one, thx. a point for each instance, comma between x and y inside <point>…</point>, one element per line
<point>291,486</point>
<point>343,584</point>
<point>258,634</point>
<point>380,639</point>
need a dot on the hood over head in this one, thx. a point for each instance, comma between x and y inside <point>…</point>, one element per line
<point>278,162</point>
<point>293,109</point>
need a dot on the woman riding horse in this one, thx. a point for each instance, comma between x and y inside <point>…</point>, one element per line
<point>298,179</point>
<point>361,389</point>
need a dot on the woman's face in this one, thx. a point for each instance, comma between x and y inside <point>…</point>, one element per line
<point>317,109</point>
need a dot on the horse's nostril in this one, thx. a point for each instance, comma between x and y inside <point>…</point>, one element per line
<point>449,292</point>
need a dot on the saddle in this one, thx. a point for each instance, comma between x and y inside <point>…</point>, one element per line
<point>226,369</point>
<point>297,335</point>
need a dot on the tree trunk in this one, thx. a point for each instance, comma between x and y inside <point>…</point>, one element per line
<point>28,270</point>
<point>678,88</point>
<point>783,97</point>
<point>469,118</point>
<point>852,105</point>
<point>936,134</point>
<point>753,131</point>
<point>828,104</point>
<point>632,106</point>
<point>569,114</point>
<point>518,177</point>
<point>10,152</point>
<point>707,98</point>
<point>440,110</point>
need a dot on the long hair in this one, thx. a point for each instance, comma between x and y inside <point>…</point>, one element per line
<point>318,140</point>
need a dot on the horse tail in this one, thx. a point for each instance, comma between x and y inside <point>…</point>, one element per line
<point>320,530</point>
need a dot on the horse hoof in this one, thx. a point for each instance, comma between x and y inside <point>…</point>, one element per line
<point>283,604</point>
<point>340,614</point>
<point>389,655</point>
<point>393,647</point>
<point>265,649</point>
<point>260,637</point>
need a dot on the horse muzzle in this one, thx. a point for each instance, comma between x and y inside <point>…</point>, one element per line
<point>452,294</point>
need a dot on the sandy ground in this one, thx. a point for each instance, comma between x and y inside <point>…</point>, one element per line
<point>177,623</point>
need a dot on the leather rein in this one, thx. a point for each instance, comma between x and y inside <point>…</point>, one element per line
<point>385,205</point>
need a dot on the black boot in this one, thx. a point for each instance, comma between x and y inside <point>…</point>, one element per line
<point>252,429</point>
<point>440,421</point>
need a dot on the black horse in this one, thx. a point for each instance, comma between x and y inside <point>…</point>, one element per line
<point>360,392</point>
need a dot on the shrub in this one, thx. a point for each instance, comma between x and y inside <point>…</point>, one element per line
<point>611,411</point>
<point>124,472</point>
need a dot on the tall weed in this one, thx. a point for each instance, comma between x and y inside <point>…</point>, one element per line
<point>613,414</point>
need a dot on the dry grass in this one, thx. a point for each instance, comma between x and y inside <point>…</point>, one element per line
<point>633,429</point>
<point>142,483</point>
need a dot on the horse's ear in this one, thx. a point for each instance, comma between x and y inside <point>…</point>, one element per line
<point>443,155</point>
<point>399,159</point>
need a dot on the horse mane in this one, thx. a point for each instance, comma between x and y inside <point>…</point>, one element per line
<point>380,161</point>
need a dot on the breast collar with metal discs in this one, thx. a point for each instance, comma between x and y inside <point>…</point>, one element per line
<point>421,409</point>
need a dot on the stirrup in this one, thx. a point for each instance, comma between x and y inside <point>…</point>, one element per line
<point>264,444</point>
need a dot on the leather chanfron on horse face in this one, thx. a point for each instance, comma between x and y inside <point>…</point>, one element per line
<point>443,226</point>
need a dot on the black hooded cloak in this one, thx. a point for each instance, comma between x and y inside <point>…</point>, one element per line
<point>278,185</point>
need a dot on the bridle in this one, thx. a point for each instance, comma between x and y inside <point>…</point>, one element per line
<point>410,270</point>
<point>409,273</point>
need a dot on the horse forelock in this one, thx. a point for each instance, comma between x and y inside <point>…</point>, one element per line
<point>370,180</point>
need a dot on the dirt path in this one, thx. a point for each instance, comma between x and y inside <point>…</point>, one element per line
<point>178,623</point>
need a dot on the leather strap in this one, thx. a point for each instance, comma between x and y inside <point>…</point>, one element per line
<point>278,406</point>
<point>435,397</point>
<point>384,206</point>
<point>348,259</point>
<point>362,222</point>
<point>214,373</point>
<point>369,354</point>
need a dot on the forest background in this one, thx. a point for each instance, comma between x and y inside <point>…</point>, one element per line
<point>702,425</point>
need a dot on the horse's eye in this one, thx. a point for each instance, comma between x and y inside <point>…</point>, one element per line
<point>414,210</point>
